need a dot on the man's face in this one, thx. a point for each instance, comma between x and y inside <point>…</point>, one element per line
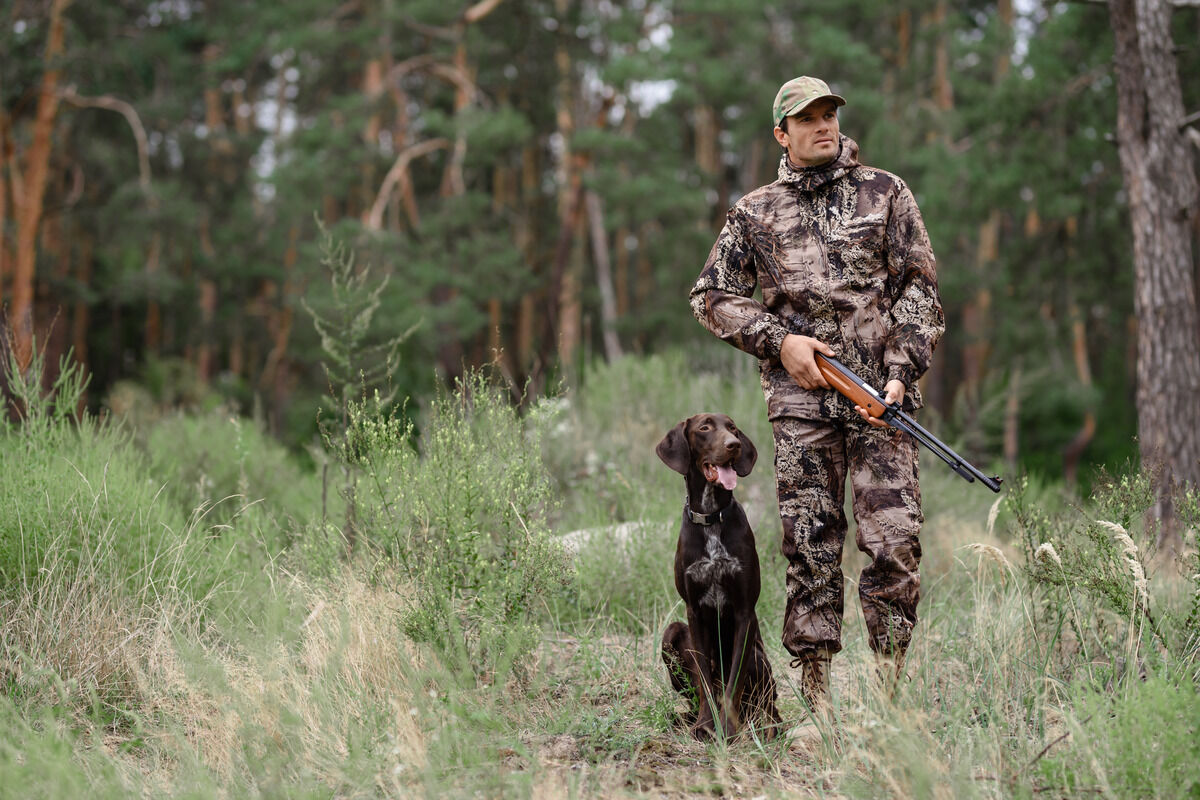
<point>811,137</point>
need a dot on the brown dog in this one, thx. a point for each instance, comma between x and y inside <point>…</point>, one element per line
<point>716,659</point>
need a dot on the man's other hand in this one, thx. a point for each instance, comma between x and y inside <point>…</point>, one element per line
<point>797,358</point>
<point>893,392</point>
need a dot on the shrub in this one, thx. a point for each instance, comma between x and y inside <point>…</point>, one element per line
<point>1142,741</point>
<point>67,485</point>
<point>205,458</point>
<point>465,518</point>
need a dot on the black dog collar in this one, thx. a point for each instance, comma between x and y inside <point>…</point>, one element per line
<point>707,519</point>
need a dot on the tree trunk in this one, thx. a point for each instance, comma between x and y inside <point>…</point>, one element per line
<point>4,260</point>
<point>608,300</point>
<point>276,371</point>
<point>943,92</point>
<point>79,319</point>
<point>214,120</point>
<point>1074,449</point>
<point>527,236</point>
<point>36,170</point>
<point>1012,419</point>
<point>565,282</point>
<point>372,86</point>
<point>1159,178</point>
<point>205,358</point>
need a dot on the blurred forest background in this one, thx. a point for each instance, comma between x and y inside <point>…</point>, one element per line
<point>236,217</point>
<point>541,180</point>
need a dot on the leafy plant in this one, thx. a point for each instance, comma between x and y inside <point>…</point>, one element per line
<point>359,362</point>
<point>465,518</point>
<point>1096,558</point>
<point>35,408</point>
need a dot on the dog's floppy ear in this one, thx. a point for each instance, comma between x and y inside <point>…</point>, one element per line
<point>749,454</point>
<point>674,449</point>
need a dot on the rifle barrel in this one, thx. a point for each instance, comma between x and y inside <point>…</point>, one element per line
<point>858,391</point>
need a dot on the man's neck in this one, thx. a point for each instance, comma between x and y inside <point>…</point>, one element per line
<point>798,167</point>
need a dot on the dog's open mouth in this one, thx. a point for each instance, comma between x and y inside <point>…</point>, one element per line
<point>721,474</point>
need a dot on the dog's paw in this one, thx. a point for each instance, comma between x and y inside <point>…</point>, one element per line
<point>704,728</point>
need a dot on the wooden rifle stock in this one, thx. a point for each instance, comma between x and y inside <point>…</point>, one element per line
<point>861,393</point>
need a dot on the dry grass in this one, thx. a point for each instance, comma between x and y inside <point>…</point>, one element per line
<point>328,694</point>
<point>296,700</point>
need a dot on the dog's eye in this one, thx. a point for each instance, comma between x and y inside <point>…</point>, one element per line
<point>733,429</point>
<point>704,428</point>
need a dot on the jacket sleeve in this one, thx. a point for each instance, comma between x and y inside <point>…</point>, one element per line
<point>722,296</point>
<point>917,320</point>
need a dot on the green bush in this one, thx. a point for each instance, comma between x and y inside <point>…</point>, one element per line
<point>465,518</point>
<point>1098,558</point>
<point>205,459</point>
<point>77,490</point>
<point>1141,741</point>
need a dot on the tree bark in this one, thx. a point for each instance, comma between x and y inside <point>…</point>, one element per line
<point>1012,419</point>
<point>36,170</point>
<point>565,283</point>
<point>1074,449</point>
<point>527,239</point>
<point>4,259</point>
<point>608,300</point>
<point>82,312</point>
<point>398,175</point>
<point>1160,180</point>
<point>275,373</point>
<point>943,90</point>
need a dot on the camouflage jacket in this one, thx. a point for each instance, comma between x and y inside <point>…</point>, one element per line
<point>842,255</point>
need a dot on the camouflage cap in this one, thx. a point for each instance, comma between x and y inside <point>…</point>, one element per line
<point>797,93</point>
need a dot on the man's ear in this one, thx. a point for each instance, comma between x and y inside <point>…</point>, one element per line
<point>749,455</point>
<point>674,449</point>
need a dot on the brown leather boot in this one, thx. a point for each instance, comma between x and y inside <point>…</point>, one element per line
<point>814,680</point>
<point>890,669</point>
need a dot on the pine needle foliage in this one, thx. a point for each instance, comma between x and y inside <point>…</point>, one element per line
<point>356,362</point>
<point>35,408</point>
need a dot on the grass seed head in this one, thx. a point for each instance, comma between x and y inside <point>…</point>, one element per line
<point>1130,551</point>
<point>1046,552</point>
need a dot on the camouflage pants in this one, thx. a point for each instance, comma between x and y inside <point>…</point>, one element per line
<point>811,462</point>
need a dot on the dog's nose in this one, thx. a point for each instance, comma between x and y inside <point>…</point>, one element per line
<point>732,444</point>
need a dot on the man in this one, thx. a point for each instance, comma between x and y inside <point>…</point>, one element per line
<point>846,269</point>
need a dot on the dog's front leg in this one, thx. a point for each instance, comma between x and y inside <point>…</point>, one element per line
<point>709,691</point>
<point>745,634</point>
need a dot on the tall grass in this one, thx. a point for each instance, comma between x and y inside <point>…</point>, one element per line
<point>151,644</point>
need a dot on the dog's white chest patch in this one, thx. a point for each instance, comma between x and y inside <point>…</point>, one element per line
<point>713,570</point>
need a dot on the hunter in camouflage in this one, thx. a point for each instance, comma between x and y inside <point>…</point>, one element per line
<point>845,266</point>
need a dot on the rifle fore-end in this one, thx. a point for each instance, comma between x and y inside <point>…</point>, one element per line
<point>855,393</point>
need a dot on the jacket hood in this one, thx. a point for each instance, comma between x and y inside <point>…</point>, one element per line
<point>808,179</point>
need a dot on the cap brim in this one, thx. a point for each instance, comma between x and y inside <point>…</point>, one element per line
<point>803,104</point>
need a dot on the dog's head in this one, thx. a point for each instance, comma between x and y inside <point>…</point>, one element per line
<point>711,445</point>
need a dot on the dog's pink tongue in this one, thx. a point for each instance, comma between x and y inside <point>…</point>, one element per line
<point>727,477</point>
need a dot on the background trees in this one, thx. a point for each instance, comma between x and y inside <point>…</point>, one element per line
<point>543,178</point>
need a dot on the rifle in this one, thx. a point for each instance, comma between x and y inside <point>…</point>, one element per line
<point>861,393</point>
